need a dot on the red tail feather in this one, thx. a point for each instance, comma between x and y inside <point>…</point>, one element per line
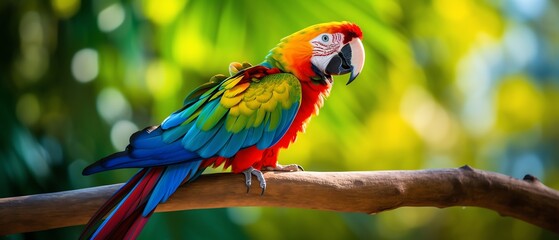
<point>137,227</point>
<point>127,220</point>
<point>111,203</point>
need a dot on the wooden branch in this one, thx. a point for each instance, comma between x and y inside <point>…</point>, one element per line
<point>367,192</point>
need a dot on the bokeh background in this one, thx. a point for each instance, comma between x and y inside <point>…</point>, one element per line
<point>446,83</point>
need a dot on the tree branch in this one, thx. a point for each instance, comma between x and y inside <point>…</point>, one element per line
<point>368,192</point>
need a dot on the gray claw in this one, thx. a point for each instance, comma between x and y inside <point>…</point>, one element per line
<point>258,174</point>
<point>285,168</point>
<point>248,179</point>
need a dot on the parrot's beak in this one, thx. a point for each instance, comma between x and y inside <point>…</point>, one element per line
<point>357,58</point>
<point>349,60</point>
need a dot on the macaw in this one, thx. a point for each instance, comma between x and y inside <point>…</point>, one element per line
<point>240,121</point>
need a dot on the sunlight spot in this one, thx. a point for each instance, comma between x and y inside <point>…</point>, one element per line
<point>520,104</point>
<point>34,155</point>
<point>30,28</point>
<point>28,109</point>
<point>475,76</point>
<point>113,106</point>
<point>120,134</point>
<point>189,48</point>
<point>453,10</point>
<point>162,11</point>
<point>85,65</point>
<point>529,8</point>
<point>111,17</point>
<point>520,44</point>
<point>34,59</point>
<point>53,147</point>
<point>163,79</point>
<point>65,8</point>
<point>428,118</point>
<point>244,215</point>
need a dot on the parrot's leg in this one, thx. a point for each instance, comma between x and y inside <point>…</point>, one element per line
<point>258,174</point>
<point>285,168</point>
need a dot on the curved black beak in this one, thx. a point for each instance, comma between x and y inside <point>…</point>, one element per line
<point>350,59</point>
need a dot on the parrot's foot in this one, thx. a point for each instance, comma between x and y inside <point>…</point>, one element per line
<point>258,174</point>
<point>286,168</point>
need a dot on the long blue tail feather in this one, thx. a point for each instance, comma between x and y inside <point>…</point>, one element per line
<point>134,203</point>
<point>123,160</point>
<point>173,177</point>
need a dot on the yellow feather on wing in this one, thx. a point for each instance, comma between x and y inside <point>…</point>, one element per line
<point>236,90</point>
<point>244,105</point>
<point>230,102</point>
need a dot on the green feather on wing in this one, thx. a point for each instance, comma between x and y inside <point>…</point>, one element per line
<point>247,111</point>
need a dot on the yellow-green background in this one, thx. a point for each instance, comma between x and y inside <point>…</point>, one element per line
<point>445,83</point>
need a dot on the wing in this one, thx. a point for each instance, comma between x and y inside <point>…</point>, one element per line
<point>239,112</point>
<point>218,119</point>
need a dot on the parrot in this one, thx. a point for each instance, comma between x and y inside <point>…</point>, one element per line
<point>239,122</point>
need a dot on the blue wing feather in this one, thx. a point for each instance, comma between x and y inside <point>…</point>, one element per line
<point>266,140</point>
<point>171,179</point>
<point>196,138</point>
<point>123,160</point>
<point>154,152</point>
<point>181,115</point>
<point>236,142</point>
<point>207,112</point>
<point>286,120</point>
<point>147,138</point>
<point>267,136</point>
<point>176,142</point>
<point>175,133</point>
<point>173,120</point>
<point>216,143</point>
<point>256,134</point>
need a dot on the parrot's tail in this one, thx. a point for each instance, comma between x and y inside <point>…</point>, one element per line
<point>133,203</point>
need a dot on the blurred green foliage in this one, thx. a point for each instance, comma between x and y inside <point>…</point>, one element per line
<point>445,83</point>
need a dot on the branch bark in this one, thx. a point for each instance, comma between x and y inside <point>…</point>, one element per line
<point>368,192</point>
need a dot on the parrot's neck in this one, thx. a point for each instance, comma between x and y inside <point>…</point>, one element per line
<point>273,60</point>
<point>313,96</point>
<point>290,58</point>
<point>313,93</point>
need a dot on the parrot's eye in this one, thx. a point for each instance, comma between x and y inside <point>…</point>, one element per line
<point>325,38</point>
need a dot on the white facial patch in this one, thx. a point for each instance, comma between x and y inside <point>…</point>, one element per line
<point>321,61</point>
<point>325,46</point>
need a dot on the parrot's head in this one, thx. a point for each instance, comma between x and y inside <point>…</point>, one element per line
<point>320,51</point>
